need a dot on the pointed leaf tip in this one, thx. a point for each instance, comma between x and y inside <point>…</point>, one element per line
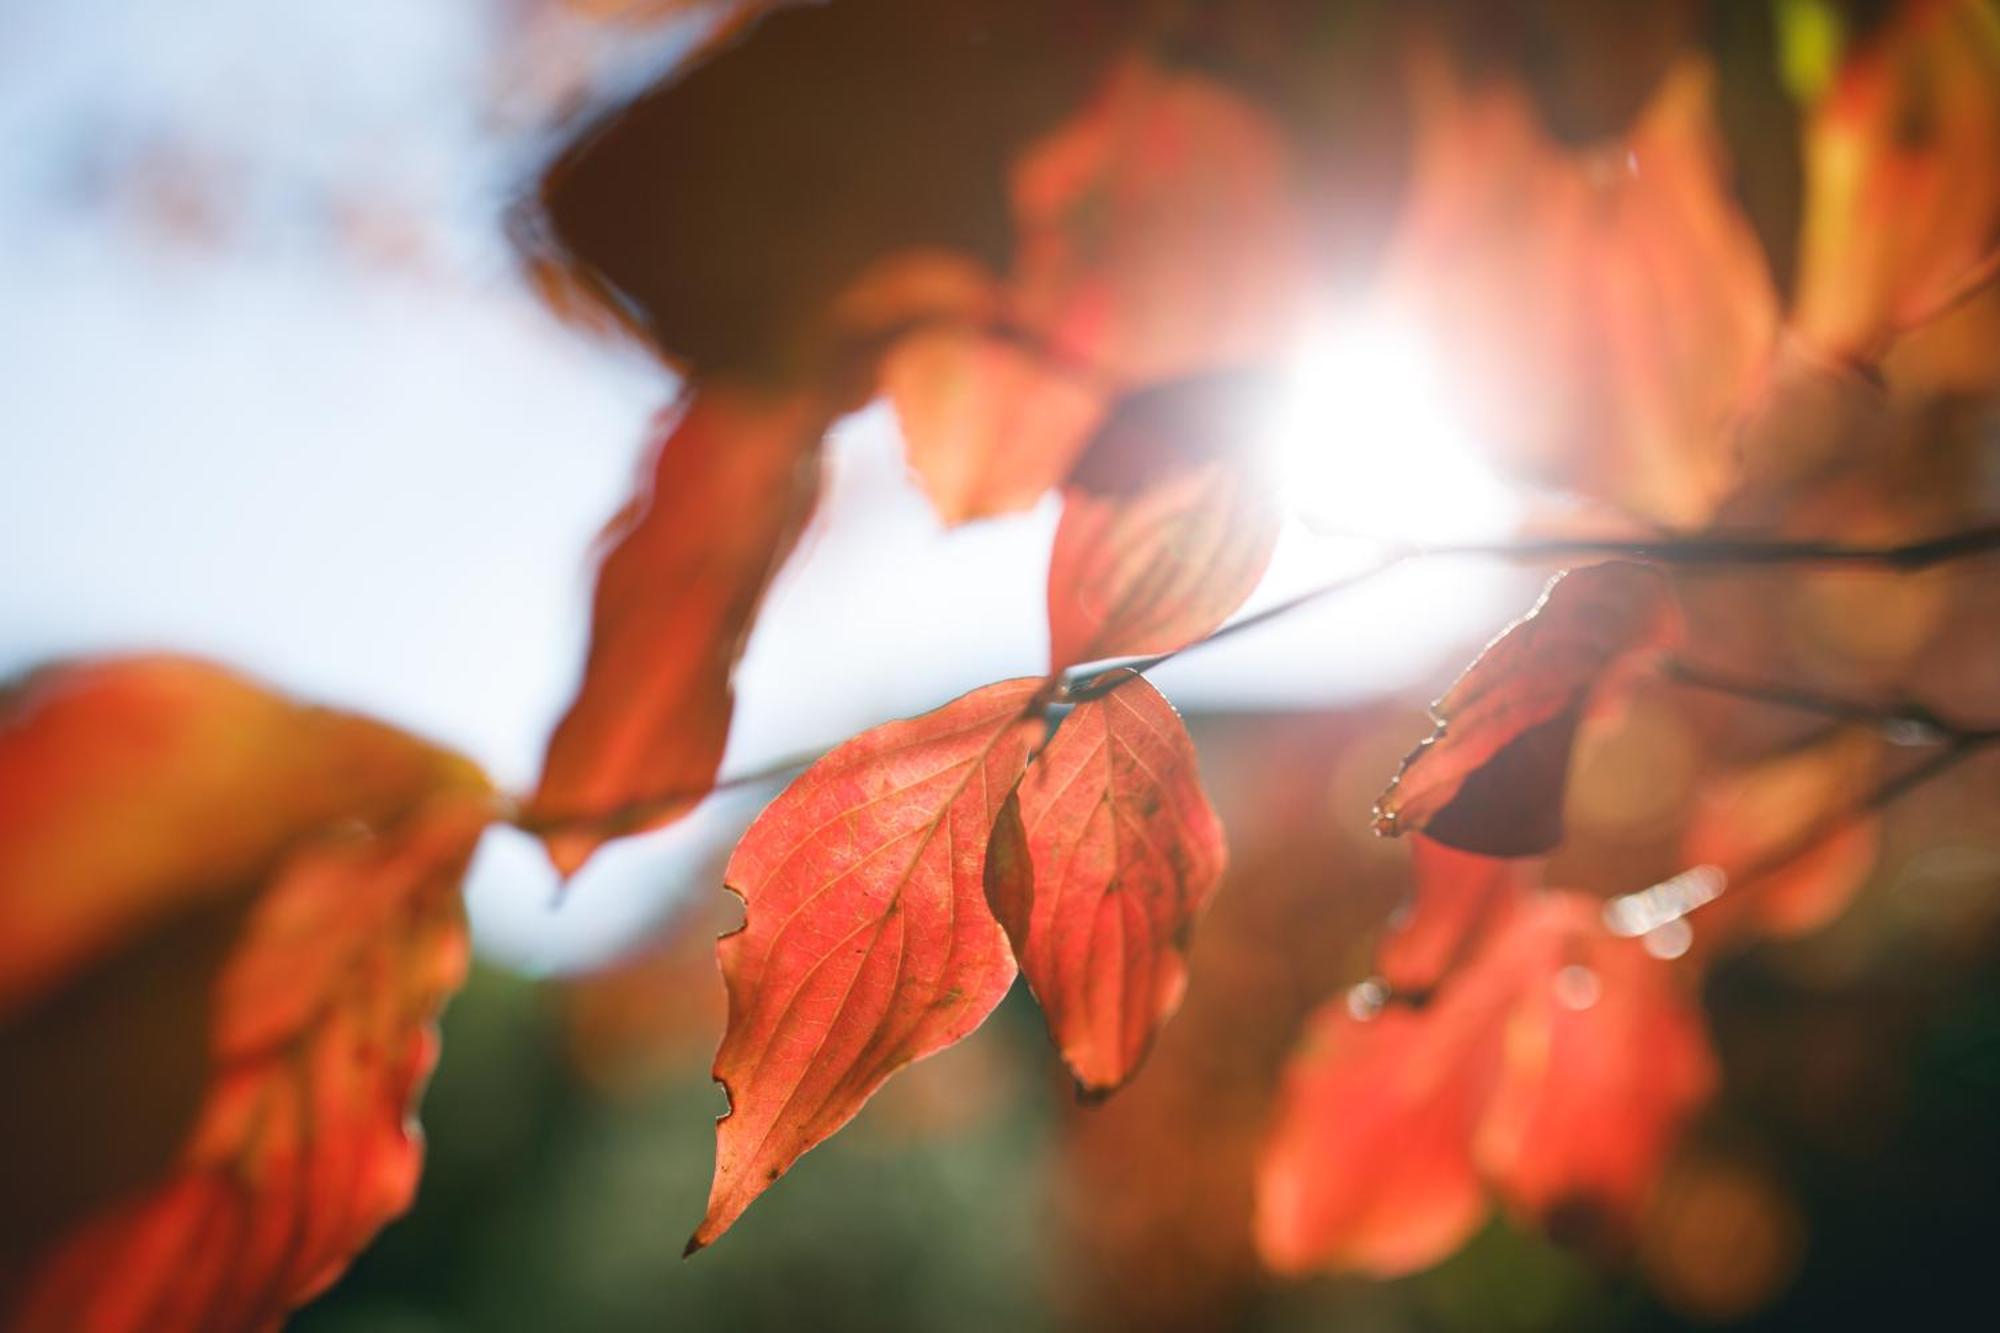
<point>1101,863</point>
<point>866,941</point>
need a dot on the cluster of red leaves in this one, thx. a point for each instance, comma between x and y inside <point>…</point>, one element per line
<point>1067,243</point>
<point>1098,315</point>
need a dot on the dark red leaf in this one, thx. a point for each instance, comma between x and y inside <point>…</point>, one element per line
<point>725,220</point>
<point>1101,863</point>
<point>866,940</point>
<point>684,572</point>
<point>1490,779</point>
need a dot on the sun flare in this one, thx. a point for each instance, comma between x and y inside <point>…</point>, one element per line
<point>1369,442</point>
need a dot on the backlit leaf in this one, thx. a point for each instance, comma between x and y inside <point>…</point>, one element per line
<point>1101,863</point>
<point>1605,1057</point>
<point>1490,779</point>
<point>210,1095</point>
<point>1603,308</point>
<point>684,571</point>
<point>988,425</point>
<point>1158,236</point>
<point>1368,1166</point>
<point>1159,229</point>
<point>725,211</point>
<point>1553,1072</point>
<point>1902,200</point>
<point>1168,524</point>
<point>866,942</point>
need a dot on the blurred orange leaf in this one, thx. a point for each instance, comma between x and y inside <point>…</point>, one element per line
<point>215,1023</point>
<point>1101,863</point>
<point>1368,1166</point>
<point>1159,229</point>
<point>867,942</point>
<point>1459,897</point>
<point>1490,779</point>
<point>1605,308</point>
<point>1902,201</point>
<point>987,424</point>
<point>1554,1070</point>
<point>1605,1058</point>
<point>684,571</point>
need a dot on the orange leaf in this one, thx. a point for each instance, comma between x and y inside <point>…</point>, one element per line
<point>1603,309</point>
<point>1101,862</point>
<point>685,571</point>
<point>1368,1166</point>
<point>1160,232</point>
<point>1902,200</point>
<point>866,940</point>
<point>1555,1069</point>
<point>1459,898</point>
<point>1490,779</point>
<point>206,778</point>
<point>210,1093</point>
<point>1604,1058</point>
<point>1165,527</point>
<point>987,425</point>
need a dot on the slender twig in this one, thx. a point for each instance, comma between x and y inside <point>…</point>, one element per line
<point>1707,552</point>
<point>636,814</point>
<point>1649,909</point>
<point>1902,722</point>
<point>1731,552</point>
<point>1091,680</point>
<point>1975,280</point>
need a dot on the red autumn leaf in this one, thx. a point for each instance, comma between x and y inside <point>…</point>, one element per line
<point>1459,898</point>
<point>1101,863</point>
<point>1168,523</point>
<point>1160,230</point>
<point>1554,1070</point>
<point>1603,308</point>
<point>1902,201</point>
<point>1368,1166</point>
<point>1490,779</point>
<point>866,941</point>
<point>685,569</point>
<point>1605,1059</point>
<point>206,778</point>
<point>208,1112</point>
